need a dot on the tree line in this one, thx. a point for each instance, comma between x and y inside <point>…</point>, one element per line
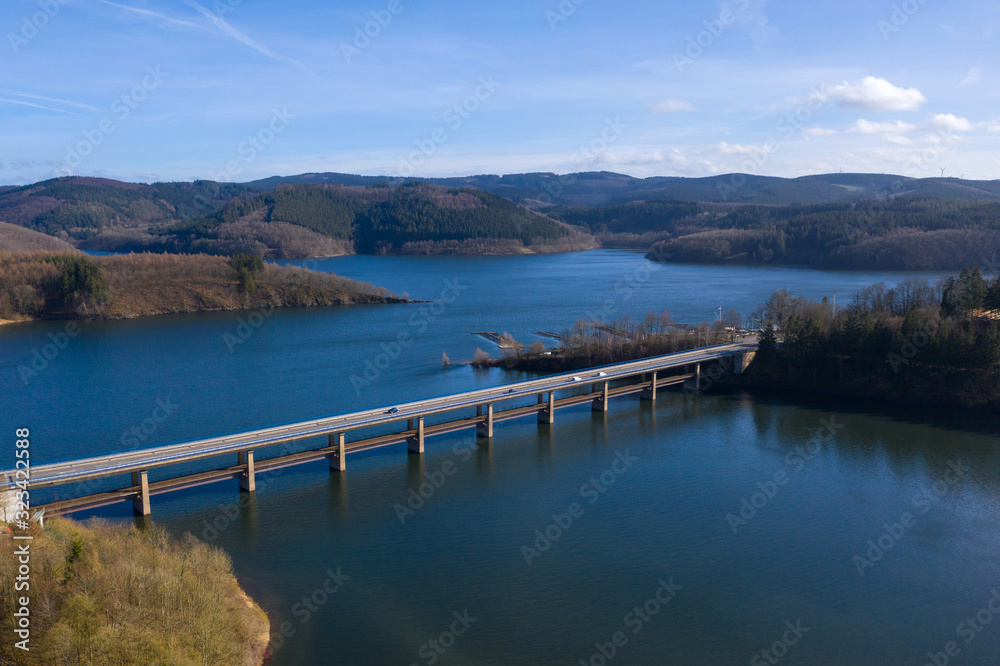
<point>936,343</point>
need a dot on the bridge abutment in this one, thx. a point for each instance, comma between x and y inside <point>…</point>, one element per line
<point>742,361</point>
<point>140,503</point>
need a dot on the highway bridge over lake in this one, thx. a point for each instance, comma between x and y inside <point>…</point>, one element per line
<point>411,423</point>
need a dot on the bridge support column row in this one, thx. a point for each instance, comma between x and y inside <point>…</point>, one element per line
<point>601,403</point>
<point>650,393</point>
<point>485,428</point>
<point>548,415</point>
<point>338,459</point>
<point>247,480</point>
<point>140,503</point>
<point>416,443</point>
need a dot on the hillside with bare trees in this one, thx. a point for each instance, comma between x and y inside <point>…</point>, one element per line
<point>70,286</point>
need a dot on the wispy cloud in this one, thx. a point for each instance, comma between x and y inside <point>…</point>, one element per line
<point>974,75</point>
<point>868,127</point>
<point>225,27</point>
<point>672,106</point>
<point>739,149</point>
<point>67,102</point>
<point>36,106</point>
<point>150,14</point>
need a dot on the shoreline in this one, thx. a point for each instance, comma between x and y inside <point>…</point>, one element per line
<point>866,399</point>
<point>542,251</point>
<point>261,645</point>
<point>121,317</point>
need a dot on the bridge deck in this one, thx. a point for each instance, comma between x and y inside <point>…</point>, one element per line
<point>141,461</point>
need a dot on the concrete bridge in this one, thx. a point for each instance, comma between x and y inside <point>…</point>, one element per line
<point>642,377</point>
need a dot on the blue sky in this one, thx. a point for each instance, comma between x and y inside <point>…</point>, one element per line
<point>147,90</point>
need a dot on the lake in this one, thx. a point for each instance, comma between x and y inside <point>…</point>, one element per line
<point>695,531</point>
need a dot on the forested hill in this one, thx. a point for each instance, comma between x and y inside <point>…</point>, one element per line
<point>896,234</point>
<point>382,218</point>
<point>75,208</point>
<point>853,221</point>
<point>290,221</point>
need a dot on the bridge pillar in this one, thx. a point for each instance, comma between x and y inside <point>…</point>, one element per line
<point>479,410</point>
<point>601,404</point>
<point>247,480</point>
<point>485,428</point>
<point>650,393</point>
<point>416,443</point>
<point>548,415</point>
<point>697,377</point>
<point>338,459</point>
<point>140,503</point>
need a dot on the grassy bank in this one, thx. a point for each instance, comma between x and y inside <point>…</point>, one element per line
<point>42,285</point>
<point>109,594</point>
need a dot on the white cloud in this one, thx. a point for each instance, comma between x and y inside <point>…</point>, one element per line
<point>867,127</point>
<point>876,94</point>
<point>993,126</point>
<point>672,106</point>
<point>740,149</point>
<point>949,122</point>
<point>974,75</point>
<point>819,131</point>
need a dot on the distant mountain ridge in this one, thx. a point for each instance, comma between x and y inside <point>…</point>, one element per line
<point>832,220</point>
<point>537,190</point>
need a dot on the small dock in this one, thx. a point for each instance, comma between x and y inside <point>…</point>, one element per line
<point>551,335</point>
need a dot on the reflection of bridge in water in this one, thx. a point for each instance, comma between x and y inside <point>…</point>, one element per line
<point>641,377</point>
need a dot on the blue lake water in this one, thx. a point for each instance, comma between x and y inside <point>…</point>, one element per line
<point>708,503</point>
